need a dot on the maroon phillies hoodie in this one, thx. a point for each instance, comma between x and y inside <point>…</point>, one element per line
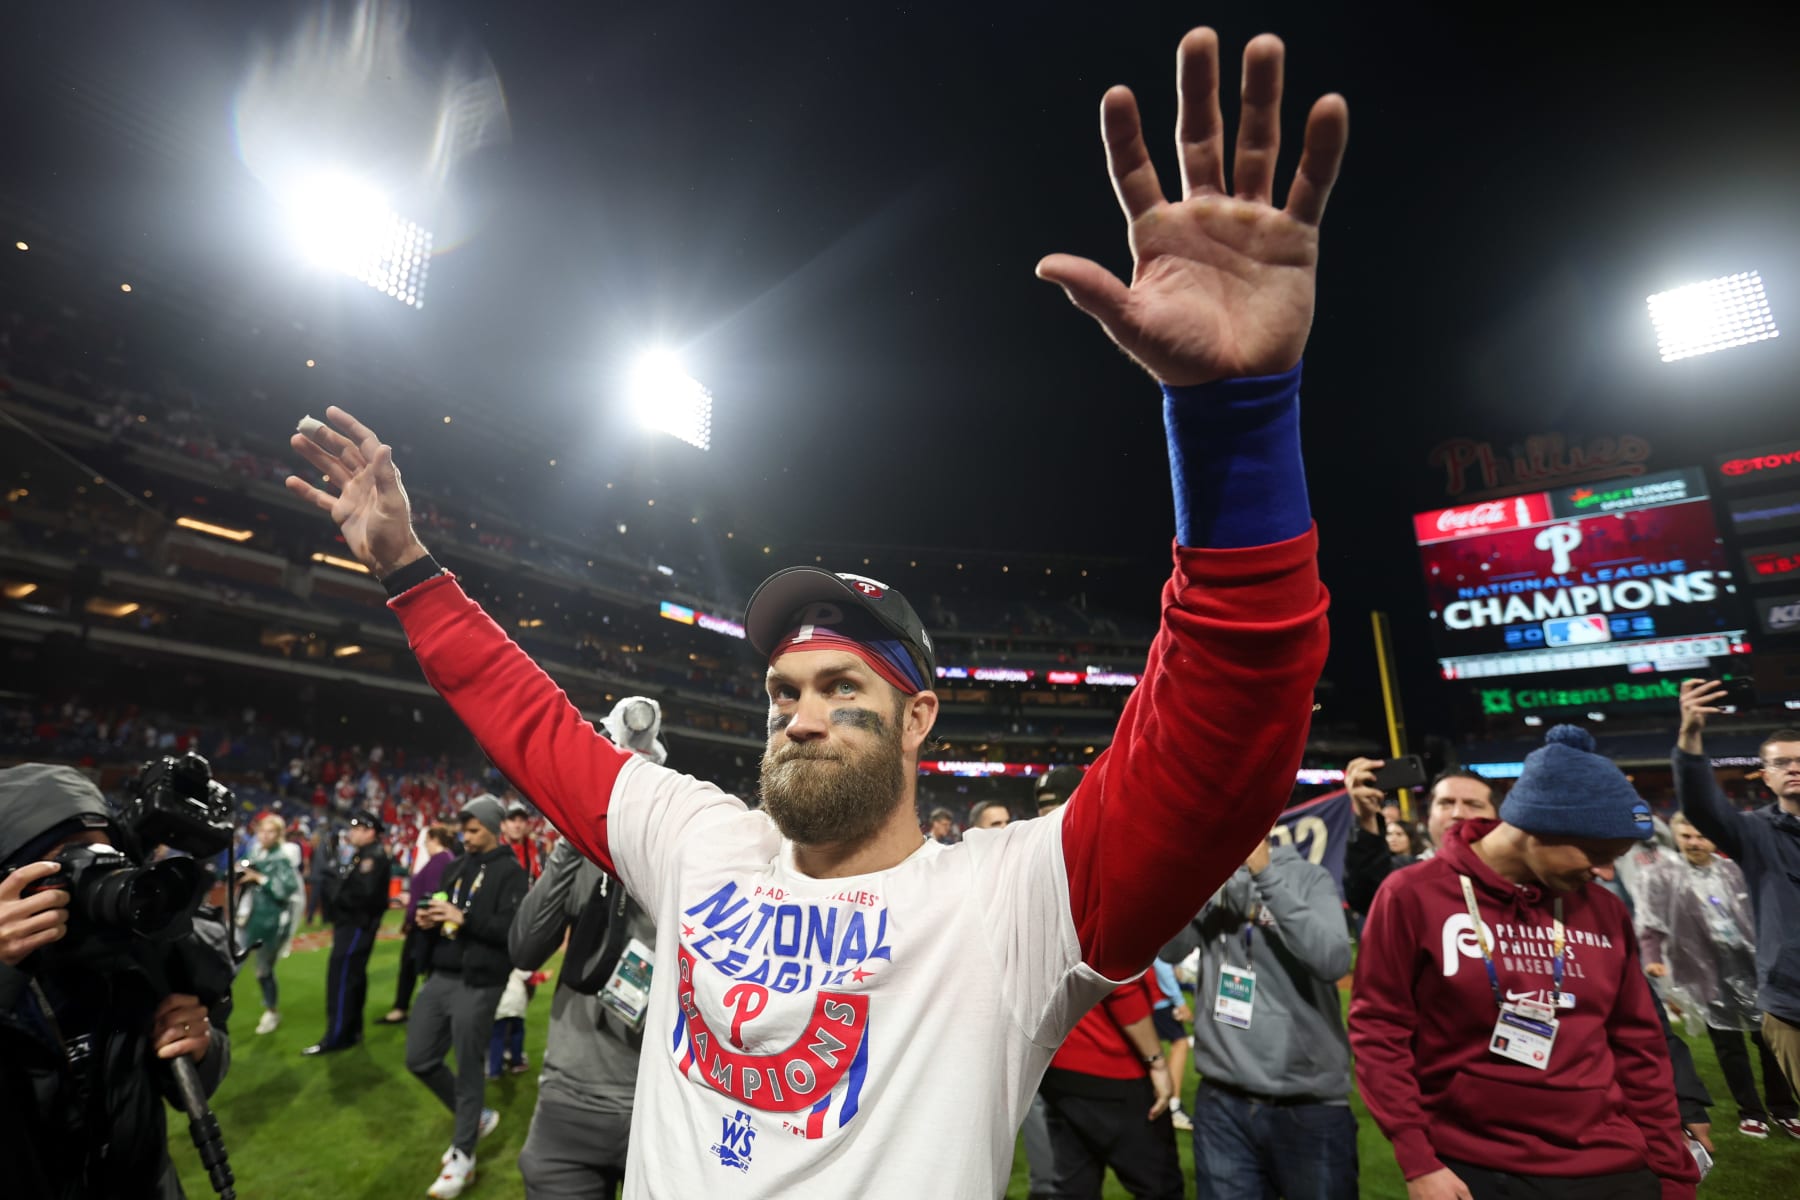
<point>1423,1011</point>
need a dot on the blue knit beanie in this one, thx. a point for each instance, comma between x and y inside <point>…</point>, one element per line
<point>1567,790</point>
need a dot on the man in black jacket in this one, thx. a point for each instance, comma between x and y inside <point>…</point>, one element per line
<point>83,1012</point>
<point>1456,795</point>
<point>356,903</point>
<point>468,965</point>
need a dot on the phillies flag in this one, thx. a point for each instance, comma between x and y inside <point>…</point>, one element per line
<point>1319,830</point>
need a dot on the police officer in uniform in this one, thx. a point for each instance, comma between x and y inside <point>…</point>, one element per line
<point>355,903</point>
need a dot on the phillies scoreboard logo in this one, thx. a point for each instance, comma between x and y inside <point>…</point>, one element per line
<point>1584,565</point>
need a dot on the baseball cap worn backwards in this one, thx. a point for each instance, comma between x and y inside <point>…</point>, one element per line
<point>813,609</point>
<point>1567,790</point>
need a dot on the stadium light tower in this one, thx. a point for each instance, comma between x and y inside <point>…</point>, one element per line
<point>666,399</point>
<point>342,223</point>
<point>1715,314</point>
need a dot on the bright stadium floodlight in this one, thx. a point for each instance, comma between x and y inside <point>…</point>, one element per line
<point>341,223</point>
<point>668,400</point>
<point>1715,314</point>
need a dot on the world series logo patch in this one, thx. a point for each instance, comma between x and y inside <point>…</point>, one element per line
<point>736,1141</point>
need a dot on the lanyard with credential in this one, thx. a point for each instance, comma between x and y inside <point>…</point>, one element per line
<point>472,888</point>
<point>1487,957</point>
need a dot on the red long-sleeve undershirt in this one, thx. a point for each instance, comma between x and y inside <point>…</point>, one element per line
<point>1201,765</point>
<point>1098,1045</point>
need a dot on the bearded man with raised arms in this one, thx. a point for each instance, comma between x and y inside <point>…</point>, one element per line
<point>832,990</point>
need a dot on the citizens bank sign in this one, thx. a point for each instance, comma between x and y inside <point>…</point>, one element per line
<point>1508,701</point>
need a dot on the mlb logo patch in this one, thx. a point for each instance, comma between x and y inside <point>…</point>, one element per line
<point>1576,631</point>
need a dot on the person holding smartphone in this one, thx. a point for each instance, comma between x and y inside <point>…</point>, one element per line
<point>1272,1111</point>
<point>1456,795</point>
<point>469,918</point>
<point>1766,843</point>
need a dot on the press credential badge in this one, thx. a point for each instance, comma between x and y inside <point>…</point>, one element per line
<point>1525,1033</point>
<point>627,990</point>
<point>1237,994</point>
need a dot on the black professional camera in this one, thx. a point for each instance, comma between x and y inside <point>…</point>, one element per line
<point>107,891</point>
<point>176,802</point>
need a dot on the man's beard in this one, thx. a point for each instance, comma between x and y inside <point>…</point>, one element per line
<point>820,795</point>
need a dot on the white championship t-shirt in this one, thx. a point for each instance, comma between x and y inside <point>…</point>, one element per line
<point>870,1036</point>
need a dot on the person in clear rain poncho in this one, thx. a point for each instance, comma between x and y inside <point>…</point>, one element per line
<point>1698,936</point>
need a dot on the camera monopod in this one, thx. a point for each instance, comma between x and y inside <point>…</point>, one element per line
<point>204,1127</point>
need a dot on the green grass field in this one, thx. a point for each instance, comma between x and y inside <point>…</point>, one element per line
<point>357,1126</point>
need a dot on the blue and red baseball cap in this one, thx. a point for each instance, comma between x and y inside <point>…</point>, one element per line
<point>811,608</point>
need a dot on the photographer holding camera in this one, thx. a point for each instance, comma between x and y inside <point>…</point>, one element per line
<point>101,981</point>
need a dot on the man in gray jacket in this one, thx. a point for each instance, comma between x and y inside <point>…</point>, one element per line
<point>1765,842</point>
<point>1272,1114</point>
<point>582,1125</point>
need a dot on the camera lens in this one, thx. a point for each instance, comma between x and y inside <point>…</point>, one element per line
<point>137,899</point>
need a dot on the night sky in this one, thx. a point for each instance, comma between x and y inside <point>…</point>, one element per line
<point>834,211</point>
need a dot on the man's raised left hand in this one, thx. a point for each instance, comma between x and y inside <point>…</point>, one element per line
<point>1222,283</point>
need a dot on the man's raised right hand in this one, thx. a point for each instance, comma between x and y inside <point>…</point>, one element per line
<point>370,507</point>
<point>1699,697</point>
<point>1365,798</point>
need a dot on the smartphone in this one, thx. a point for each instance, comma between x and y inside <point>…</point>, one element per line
<point>1407,771</point>
<point>1740,693</point>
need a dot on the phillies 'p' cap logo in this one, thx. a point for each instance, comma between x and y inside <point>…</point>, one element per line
<point>874,589</point>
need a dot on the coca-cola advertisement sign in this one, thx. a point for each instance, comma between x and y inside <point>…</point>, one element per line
<point>1532,579</point>
<point>1489,516</point>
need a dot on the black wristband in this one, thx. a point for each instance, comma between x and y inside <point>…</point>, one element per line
<point>411,575</point>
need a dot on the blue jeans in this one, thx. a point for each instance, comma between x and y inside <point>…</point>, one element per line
<point>1244,1150</point>
<point>507,1041</point>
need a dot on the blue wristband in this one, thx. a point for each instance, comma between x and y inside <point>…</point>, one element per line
<point>1234,460</point>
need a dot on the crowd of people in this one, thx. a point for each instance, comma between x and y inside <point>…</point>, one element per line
<point>1571,872</point>
<point>138,400</point>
